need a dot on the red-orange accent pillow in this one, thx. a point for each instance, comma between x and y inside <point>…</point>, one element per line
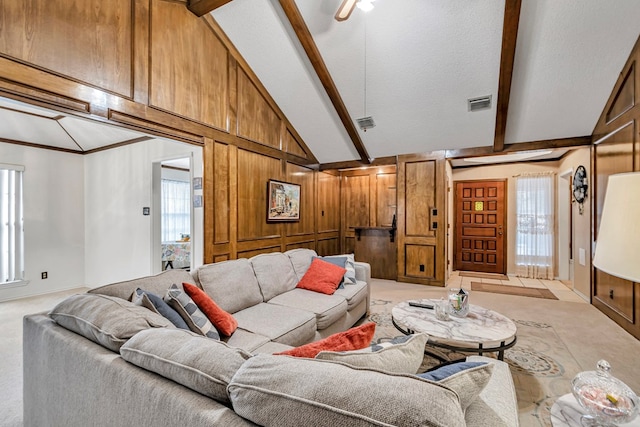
<point>224,322</point>
<point>352,339</point>
<point>322,276</point>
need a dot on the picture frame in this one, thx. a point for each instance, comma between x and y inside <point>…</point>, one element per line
<point>283,201</point>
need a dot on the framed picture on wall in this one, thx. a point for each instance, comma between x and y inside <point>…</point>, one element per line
<point>283,201</point>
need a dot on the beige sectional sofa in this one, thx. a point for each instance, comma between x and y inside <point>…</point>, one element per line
<point>99,360</point>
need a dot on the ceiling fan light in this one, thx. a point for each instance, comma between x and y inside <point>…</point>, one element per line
<point>365,5</point>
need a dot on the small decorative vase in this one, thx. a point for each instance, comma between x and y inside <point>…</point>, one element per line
<point>607,400</point>
<point>458,302</point>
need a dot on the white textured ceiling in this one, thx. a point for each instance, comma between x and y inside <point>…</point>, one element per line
<point>425,58</point>
<point>34,125</point>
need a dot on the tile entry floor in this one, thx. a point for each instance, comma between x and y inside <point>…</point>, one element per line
<point>559,289</point>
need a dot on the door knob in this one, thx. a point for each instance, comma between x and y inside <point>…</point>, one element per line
<point>499,230</point>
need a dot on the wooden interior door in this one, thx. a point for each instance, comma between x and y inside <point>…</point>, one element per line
<point>480,226</point>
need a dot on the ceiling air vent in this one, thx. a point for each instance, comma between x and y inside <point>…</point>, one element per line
<point>482,103</point>
<point>366,123</point>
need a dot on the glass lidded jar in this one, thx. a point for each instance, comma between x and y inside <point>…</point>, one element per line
<point>607,400</point>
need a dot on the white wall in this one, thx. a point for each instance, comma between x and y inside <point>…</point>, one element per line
<point>53,219</point>
<point>118,184</point>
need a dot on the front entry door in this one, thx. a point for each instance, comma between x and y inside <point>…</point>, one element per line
<point>480,226</point>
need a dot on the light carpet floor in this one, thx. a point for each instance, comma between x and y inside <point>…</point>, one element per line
<point>556,339</point>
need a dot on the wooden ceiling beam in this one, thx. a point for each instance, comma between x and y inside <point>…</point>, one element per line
<point>547,144</point>
<point>306,39</point>
<point>507,57</point>
<point>202,7</point>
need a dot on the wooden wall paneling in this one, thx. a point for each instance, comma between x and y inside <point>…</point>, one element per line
<point>386,200</point>
<point>141,51</point>
<point>255,170</point>
<point>612,154</point>
<point>257,121</point>
<point>305,177</point>
<point>328,209</point>
<point>422,187</point>
<point>253,252</point>
<point>616,149</point>
<point>355,207</point>
<point>420,197</point>
<point>189,66</point>
<point>97,48</point>
<point>330,246</point>
<point>307,244</point>
<point>292,146</point>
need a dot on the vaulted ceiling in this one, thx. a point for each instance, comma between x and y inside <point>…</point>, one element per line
<point>548,65</point>
<point>412,65</point>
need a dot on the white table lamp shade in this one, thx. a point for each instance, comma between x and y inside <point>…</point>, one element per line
<point>618,239</point>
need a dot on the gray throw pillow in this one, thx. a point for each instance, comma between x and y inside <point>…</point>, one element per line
<point>154,303</point>
<point>340,261</point>
<point>105,320</point>
<point>192,360</point>
<point>190,313</point>
<point>403,355</point>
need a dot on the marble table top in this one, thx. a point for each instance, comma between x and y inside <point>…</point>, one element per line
<point>566,412</point>
<point>480,326</point>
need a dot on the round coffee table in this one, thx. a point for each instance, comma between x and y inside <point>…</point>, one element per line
<point>481,331</point>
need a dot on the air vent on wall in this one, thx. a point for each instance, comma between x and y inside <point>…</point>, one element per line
<point>366,123</point>
<point>482,103</point>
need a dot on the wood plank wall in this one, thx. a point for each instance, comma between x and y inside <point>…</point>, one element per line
<point>616,149</point>
<point>153,66</point>
<point>368,200</point>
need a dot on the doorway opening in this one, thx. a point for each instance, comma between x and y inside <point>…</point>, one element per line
<point>565,228</point>
<point>173,227</point>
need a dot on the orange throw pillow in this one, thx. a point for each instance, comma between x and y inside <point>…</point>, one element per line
<point>322,276</point>
<point>224,322</point>
<point>352,339</point>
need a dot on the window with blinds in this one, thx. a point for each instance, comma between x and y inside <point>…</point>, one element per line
<point>11,224</point>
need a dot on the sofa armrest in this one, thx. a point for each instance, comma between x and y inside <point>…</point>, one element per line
<point>497,404</point>
<point>363,271</point>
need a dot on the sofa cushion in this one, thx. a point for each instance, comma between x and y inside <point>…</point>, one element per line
<point>200,364</point>
<point>189,311</point>
<point>467,379</point>
<point>231,284</point>
<point>275,274</point>
<point>285,325</point>
<point>351,339</point>
<point>354,294</point>
<point>223,321</point>
<point>497,404</point>
<point>301,260</point>
<point>318,392</point>
<point>105,320</point>
<point>157,284</point>
<point>322,276</point>
<point>156,304</point>
<point>402,355</point>
<point>327,308</point>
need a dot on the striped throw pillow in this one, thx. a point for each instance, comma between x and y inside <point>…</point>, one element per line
<point>189,311</point>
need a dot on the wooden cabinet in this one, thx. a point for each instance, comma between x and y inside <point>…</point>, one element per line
<point>377,246</point>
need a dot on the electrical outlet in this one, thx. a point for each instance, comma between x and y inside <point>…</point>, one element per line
<point>44,275</point>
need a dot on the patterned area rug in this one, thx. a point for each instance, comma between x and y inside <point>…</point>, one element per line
<point>541,366</point>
